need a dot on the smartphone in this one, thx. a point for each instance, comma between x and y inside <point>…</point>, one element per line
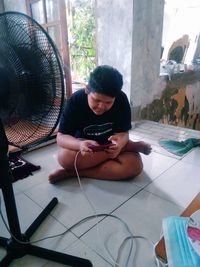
<point>100,147</point>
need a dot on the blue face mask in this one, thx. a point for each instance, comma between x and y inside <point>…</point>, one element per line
<point>178,248</point>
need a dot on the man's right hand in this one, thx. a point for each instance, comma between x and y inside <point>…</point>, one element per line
<point>85,146</point>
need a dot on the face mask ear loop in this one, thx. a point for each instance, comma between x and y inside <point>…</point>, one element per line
<point>170,233</point>
<point>160,262</point>
<point>181,237</point>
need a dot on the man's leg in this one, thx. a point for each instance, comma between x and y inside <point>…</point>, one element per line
<point>98,165</point>
<point>139,146</point>
<point>126,165</point>
<point>67,157</point>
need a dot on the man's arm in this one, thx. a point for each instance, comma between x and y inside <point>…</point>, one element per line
<point>119,140</point>
<point>72,143</point>
<point>68,141</point>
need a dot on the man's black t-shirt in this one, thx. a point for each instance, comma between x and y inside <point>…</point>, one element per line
<point>80,121</point>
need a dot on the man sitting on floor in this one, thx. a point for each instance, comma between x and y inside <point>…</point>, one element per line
<point>98,114</point>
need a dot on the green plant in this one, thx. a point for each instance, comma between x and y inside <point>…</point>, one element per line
<point>82,45</point>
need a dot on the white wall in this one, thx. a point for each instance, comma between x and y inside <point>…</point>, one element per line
<point>129,37</point>
<point>114,36</point>
<point>1,6</point>
<point>17,5</point>
<point>146,50</point>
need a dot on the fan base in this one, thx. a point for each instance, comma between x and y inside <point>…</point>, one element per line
<point>15,249</point>
<point>15,246</point>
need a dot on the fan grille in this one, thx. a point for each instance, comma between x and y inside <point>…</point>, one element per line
<point>34,91</point>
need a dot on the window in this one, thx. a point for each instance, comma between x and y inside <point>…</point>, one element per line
<point>51,15</point>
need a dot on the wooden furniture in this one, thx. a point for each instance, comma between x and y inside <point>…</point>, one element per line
<point>160,250</point>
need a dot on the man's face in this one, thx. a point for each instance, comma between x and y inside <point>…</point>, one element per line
<point>100,103</point>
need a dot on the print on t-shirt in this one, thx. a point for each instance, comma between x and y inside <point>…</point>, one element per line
<point>100,133</point>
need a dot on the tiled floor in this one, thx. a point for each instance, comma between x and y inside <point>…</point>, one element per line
<point>165,187</point>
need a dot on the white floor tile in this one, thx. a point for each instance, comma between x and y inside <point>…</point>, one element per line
<point>28,261</point>
<point>193,157</point>
<point>46,158</point>
<point>143,215</point>
<point>28,211</point>
<point>154,165</point>
<point>80,249</point>
<point>165,187</point>
<point>73,206</point>
<point>178,184</point>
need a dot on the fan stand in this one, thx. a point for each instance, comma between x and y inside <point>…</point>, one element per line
<point>14,248</point>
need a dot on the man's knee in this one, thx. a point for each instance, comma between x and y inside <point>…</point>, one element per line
<point>135,165</point>
<point>138,168</point>
<point>66,159</point>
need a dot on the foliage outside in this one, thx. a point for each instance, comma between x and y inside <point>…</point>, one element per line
<point>81,22</point>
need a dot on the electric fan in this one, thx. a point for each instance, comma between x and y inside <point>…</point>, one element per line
<point>31,99</point>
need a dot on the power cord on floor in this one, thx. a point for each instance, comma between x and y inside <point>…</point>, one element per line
<point>111,261</point>
<point>76,225</point>
<point>92,207</point>
<point>131,237</point>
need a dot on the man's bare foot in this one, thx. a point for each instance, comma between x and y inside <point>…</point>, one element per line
<point>143,147</point>
<point>58,175</point>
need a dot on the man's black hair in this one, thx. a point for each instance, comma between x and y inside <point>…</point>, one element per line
<point>105,80</point>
